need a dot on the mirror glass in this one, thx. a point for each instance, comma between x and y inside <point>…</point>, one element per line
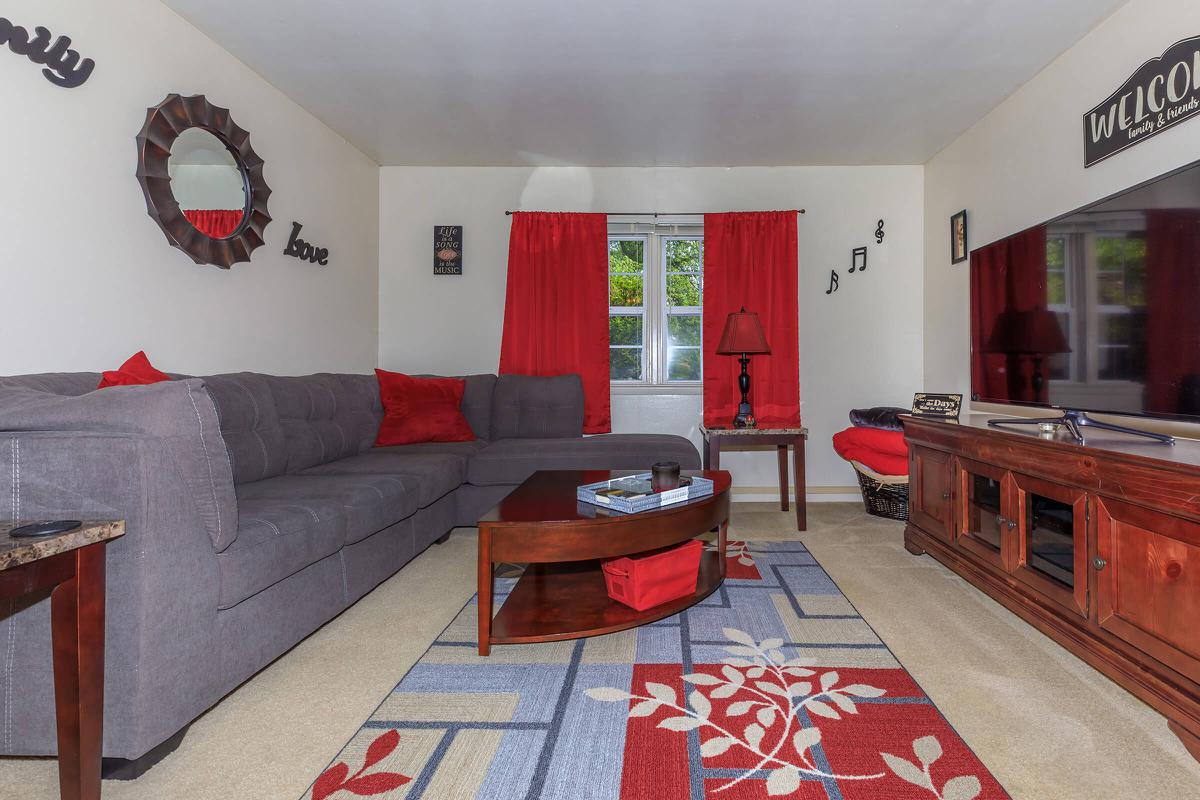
<point>207,183</point>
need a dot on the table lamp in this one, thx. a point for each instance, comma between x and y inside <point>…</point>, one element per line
<point>743,337</point>
<point>1035,333</point>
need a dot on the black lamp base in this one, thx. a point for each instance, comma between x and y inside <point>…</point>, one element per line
<point>745,414</point>
<point>745,417</point>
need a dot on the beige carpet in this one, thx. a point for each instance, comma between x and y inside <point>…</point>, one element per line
<point>1047,725</point>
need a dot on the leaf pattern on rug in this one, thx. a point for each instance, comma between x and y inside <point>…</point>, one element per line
<point>775,689</point>
<point>338,779</point>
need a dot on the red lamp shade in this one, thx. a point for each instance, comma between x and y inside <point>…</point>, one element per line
<point>742,334</point>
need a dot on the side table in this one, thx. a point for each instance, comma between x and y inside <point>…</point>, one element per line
<point>71,565</point>
<point>717,439</point>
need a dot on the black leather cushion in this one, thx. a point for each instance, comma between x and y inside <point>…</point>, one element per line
<point>883,417</point>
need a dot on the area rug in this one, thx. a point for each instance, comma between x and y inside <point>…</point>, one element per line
<point>774,686</point>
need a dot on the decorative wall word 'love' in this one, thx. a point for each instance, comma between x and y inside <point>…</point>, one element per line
<point>63,67</point>
<point>303,250</point>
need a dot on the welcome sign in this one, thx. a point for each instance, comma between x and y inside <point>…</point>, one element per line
<point>1160,93</point>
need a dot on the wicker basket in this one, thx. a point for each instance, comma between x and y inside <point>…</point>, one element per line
<point>883,495</point>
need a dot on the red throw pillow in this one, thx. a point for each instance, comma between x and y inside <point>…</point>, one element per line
<point>137,371</point>
<point>421,410</point>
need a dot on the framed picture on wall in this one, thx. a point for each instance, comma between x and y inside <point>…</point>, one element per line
<point>958,237</point>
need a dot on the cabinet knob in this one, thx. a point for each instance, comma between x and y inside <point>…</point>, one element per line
<point>1001,520</point>
<point>945,495</point>
<point>1012,523</point>
<point>1099,563</point>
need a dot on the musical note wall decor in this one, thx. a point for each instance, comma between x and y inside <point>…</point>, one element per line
<point>858,259</point>
<point>833,282</point>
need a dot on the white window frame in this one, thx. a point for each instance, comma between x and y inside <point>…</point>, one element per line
<point>654,310</point>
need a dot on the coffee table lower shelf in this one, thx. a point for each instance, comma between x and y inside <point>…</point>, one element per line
<point>553,602</point>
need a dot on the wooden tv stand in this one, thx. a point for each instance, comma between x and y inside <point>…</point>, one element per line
<point>1096,545</point>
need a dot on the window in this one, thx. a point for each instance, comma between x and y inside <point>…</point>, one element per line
<point>655,294</point>
<point>1096,285</point>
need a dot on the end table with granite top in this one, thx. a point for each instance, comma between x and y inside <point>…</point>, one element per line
<point>71,565</point>
<point>718,439</point>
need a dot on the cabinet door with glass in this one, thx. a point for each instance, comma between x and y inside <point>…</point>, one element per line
<point>985,525</point>
<point>1052,541</point>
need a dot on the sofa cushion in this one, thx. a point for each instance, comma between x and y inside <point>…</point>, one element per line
<point>511,461</point>
<point>370,502</point>
<point>436,474</point>
<point>477,403</point>
<point>276,538</point>
<point>324,417</point>
<point>419,410</point>
<point>249,425</point>
<point>529,407</point>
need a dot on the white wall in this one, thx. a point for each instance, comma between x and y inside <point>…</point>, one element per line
<point>1023,164</point>
<point>76,239</point>
<point>859,347</point>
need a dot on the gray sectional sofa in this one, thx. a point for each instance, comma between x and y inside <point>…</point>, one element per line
<point>257,509</point>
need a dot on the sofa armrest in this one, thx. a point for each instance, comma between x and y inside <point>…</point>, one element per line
<point>179,414</point>
<point>161,653</point>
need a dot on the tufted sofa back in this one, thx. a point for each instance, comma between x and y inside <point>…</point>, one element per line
<point>273,425</point>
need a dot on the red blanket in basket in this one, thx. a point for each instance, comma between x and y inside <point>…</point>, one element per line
<point>883,451</point>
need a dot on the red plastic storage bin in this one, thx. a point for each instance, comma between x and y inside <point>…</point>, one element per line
<point>655,577</point>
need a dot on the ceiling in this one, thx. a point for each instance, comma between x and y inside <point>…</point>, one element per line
<point>647,82</point>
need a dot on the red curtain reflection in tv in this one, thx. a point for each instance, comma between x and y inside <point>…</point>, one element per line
<point>556,305</point>
<point>215,222</point>
<point>1009,275</point>
<point>1173,299</point>
<point>750,259</point>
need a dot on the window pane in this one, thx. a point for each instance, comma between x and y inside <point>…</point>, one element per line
<point>683,363</point>
<point>625,329</point>
<point>625,363</point>
<point>683,290</point>
<point>683,329</point>
<point>1108,253</point>
<point>1056,288</point>
<point>1111,288</point>
<point>626,255</point>
<point>685,255</point>
<point>1056,253</point>
<point>625,291</point>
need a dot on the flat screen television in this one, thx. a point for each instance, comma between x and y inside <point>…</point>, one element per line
<point>1097,310</point>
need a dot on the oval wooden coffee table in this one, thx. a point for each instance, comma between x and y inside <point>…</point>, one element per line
<point>562,593</point>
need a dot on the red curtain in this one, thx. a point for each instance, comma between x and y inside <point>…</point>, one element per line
<point>1172,296</point>
<point>217,223</point>
<point>556,304</point>
<point>750,259</point>
<point>1009,275</point>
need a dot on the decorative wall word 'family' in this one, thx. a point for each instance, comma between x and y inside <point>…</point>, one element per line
<point>63,67</point>
<point>303,250</point>
<point>858,261</point>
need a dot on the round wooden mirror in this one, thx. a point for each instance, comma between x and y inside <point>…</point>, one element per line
<point>202,181</point>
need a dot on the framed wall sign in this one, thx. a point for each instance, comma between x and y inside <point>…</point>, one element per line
<point>1160,93</point>
<point>447,250</point>
<point>958,237</point>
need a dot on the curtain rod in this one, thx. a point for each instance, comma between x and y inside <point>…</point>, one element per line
<point>651,213</point>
